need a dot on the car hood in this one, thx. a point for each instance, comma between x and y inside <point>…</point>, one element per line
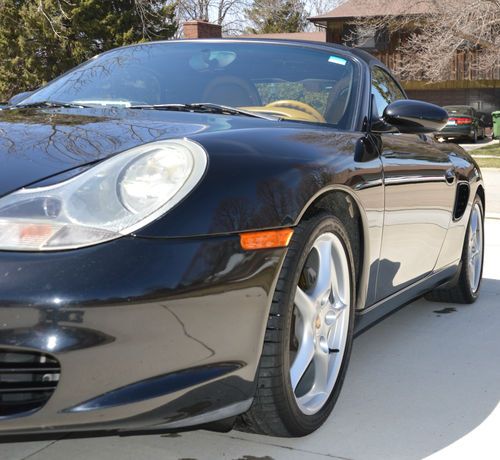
<point>37,144</point>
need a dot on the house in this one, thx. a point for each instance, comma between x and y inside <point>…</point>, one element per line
<point>464,86</point>
<point>200,28</point>
<point>319,36</point>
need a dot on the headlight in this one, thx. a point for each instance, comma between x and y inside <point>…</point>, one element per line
<point>109,200</point>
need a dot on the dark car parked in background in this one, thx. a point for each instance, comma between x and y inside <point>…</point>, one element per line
<point>464,122</point>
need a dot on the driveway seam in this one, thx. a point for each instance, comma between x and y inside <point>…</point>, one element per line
<point>237,438</point>
<point>40,450</point>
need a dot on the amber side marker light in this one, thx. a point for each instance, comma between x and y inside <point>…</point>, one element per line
<point>266,239</point>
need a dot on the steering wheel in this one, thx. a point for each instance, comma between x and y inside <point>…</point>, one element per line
<point>297,105</point>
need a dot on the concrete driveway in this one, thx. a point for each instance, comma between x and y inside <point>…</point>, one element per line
<point>424,381</point>
<point>491,178</point>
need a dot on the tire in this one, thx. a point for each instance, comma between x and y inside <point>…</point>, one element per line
<point>465,289</point>
<point>474,138</point>
<point>292,332</point>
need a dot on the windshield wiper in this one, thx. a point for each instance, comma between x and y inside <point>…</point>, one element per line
<point>49,104</point>
<point>206,107</point>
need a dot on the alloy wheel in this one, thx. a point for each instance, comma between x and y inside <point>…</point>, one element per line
<point>475,247</point>
<point>320,323</point>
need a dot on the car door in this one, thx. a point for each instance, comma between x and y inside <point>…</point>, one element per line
<point>419,195</point>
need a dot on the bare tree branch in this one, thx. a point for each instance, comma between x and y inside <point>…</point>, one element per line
<point>227,13</point>
<point>467,30</point>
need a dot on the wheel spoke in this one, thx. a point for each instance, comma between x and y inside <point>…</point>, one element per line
<point>321,365</point>
<point>303,358</point>
<point>323,285</point>
<point>340,280</point>
<point>335,335</point>
<point>336,288</point>
<point>306,309</point>
<point>472,268</point>
<point>305,305</point>
<point>474,223</point>
<point>339,308</point>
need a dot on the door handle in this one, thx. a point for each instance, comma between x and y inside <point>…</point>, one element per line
<point>450,176</point>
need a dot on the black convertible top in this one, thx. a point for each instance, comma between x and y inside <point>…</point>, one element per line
<point>360,54</point>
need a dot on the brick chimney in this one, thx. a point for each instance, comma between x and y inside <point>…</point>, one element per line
<point>200,28</point>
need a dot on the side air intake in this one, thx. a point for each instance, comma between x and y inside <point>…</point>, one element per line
<point>461,200</point>
<point>27,381</point>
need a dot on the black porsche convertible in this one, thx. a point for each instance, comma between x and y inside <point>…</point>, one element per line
<point>192,233</point>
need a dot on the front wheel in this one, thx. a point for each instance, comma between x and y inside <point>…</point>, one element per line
<point>466,288</point>
<point>309,333</point>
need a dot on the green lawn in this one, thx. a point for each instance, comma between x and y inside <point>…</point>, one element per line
<point>493,150</point>
<point>488,162</point>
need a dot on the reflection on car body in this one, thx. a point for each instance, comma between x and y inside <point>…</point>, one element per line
<point>464,123</point>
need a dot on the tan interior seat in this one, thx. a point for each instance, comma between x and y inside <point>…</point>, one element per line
<point>338,100</point>
<point>231,91</point>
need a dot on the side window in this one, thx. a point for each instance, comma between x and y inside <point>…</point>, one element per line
<point>384,89</point>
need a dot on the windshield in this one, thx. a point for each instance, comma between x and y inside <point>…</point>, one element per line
<point>282,81</point>
<point>452,109</point>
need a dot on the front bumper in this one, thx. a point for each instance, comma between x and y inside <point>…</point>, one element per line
<point>149,333</point>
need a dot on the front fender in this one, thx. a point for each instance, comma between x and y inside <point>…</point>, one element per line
<point>259,179</point>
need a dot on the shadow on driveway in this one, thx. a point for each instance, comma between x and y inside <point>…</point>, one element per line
<point>418,381</point>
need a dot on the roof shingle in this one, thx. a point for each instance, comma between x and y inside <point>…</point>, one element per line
<point>370,8</point>
<point>309,36</point>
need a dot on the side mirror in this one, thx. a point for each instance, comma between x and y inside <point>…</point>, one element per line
<point>19,97</point>
<point>415,117</point>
